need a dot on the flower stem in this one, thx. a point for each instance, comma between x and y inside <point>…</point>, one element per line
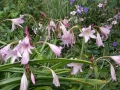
<point>82,49</point>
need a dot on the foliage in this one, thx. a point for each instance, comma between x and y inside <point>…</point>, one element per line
<point>45,60</point>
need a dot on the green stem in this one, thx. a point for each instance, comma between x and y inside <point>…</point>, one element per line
<point>86,77</point>
<point>43,45</point>
<point>81,52</point>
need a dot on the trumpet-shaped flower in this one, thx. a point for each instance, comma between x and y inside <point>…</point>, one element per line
<point>55,49</point>
<point>104,31</point>
<point>24,82</point>
<point>55,79</point>
<point>26,49</point>
<point>99,40</point>
<point>51,26</point>
<point>4,51</point>
<point>67,37</point>
<point>17,22</point>
<point>112,71</point>
<point>76,67</point>
<point>32,78</point>
<point>116,59</point>
<point>87,33</point>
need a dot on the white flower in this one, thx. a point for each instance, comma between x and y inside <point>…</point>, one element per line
<point>76,67</point>
<point>114,22</point>
<point>73,13</point>
<point>87,33</point>
<point>100,5</point>
<point>24,82</point>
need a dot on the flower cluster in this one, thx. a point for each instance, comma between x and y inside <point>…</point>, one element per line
<point>79,10</point>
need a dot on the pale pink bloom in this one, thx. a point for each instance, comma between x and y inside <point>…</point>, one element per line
<point>51,26</point>
<point>24,82</point>
<point>4,51</point>
<point>116,59</point>
<point>100,5</point>
<point>15,53</point>
<point>76,67</point>
<point>67,37</point>
<point>32,78</point>
<point>17,22</point>
<point>104,31</point>
<point>55,49</point>
<point>87,33</point>
<point>55,79</point>
<point>99,40</point>
<point>26,49</point>
<point>112,71</point>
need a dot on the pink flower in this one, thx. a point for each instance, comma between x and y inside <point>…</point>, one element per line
<point>68,36</point>
<point>17,21</point>
<point>112,71</point>
<point>55,78</point>
<point>87,33</point>
<point>51,26</point>
<point>116,59</point>
<point>55,49</point>
<point>99,40</point>
<point>26,49</point>
<point>4,51</point>
<point>76,67</point>
<point>32,78</point>
<point>24,82</point>
<point>15,53</point>
<point>104,31</point>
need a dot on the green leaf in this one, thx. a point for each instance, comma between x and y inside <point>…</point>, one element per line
<point>9,87</point>
<point>1,42</point>
<point>65,61</point>
<point>43,88</point>
<point>10,80</point>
